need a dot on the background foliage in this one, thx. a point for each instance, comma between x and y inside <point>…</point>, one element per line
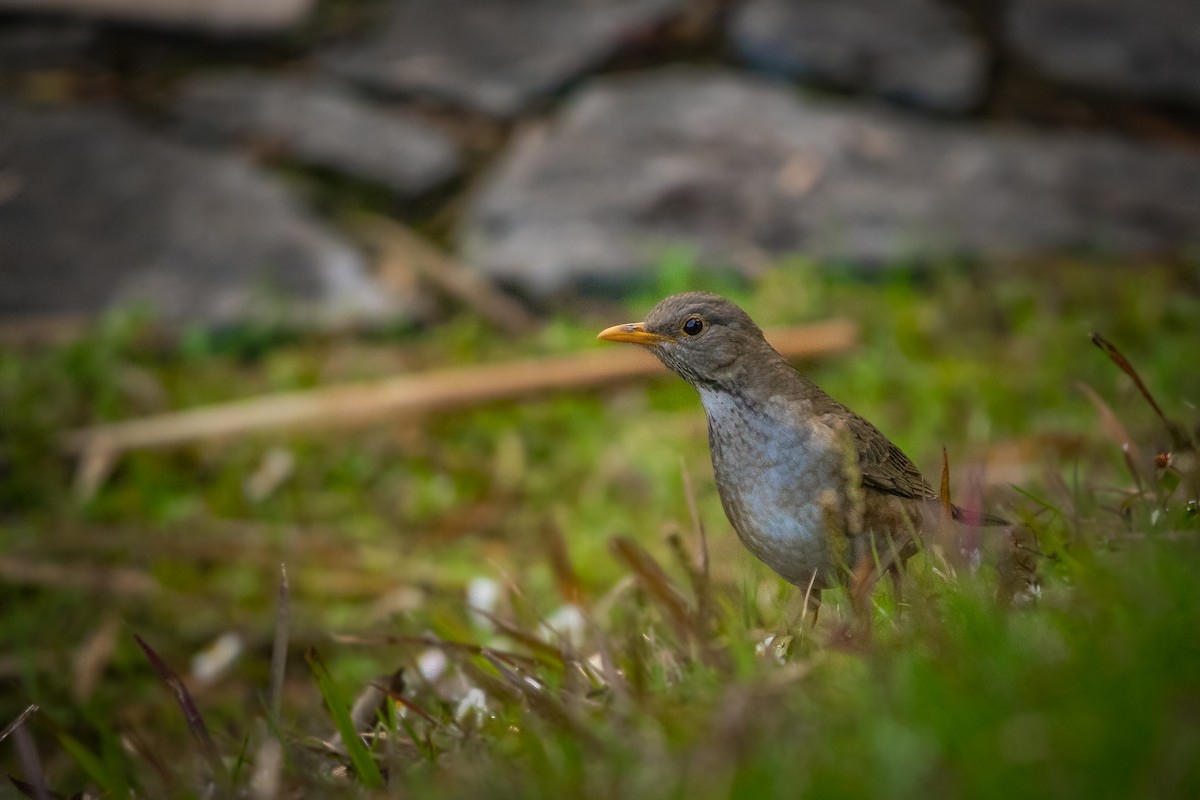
<point>651,686</point>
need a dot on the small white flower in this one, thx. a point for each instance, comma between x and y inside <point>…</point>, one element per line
<point>482,596</point>
<point>472,708</point>
<point>566,623</point>
<point>432,664</point>
<point>212,662</point>
<point>760,649</point>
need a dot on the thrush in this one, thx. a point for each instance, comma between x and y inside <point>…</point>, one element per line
<point>811,488</point>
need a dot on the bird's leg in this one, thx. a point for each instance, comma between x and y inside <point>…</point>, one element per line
<point>893,564</point>
<point>862,581</point>
<point>870,568</point>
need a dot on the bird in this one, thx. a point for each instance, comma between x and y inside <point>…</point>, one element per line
<point>811,488</point>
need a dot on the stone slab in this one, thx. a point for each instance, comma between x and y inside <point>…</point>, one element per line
<point>495,56</point>
<point>323,125</point>
<point>96,213</point>
<point>1149,49</point>
<point>740,171</point>
<point>916,52</point>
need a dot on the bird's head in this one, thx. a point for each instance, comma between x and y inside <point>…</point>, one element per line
<point>704,338</point>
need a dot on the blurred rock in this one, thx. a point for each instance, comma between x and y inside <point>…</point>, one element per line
<point>215,16</point>
<point>496,56</point>
<point>1149,49</point>
<point>322,125</point>
<point>741,171</point>
<point>96,213</point>
<point>917,52</point>
<point>42,44</point>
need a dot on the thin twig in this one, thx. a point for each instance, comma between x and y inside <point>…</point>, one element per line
<point>123,581</point>
<point>414,254</point>
<point>43,329</point>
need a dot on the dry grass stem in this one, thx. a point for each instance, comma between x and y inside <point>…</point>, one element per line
<point>123,581</point>
<point>20,720</point>
<point>280,645</point>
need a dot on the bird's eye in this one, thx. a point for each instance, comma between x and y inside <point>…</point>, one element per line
<point>693,326</point>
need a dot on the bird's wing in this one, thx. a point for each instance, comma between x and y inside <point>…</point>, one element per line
<point>883,465</point>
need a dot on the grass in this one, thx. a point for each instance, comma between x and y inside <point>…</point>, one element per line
<point>604,666</point>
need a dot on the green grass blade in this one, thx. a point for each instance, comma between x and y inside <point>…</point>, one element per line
<point>109,782</point>
<point>361,759</point>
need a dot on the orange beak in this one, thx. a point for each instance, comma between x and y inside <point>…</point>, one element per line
<point>634,332</point>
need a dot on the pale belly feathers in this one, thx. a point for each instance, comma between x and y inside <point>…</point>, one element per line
<point>782,499</point>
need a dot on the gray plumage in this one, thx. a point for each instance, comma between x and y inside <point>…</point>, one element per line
<point>809,486</point>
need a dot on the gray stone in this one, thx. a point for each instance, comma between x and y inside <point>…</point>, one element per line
<point>496,56</point>
<point>96,213</point>
<point>42,44</point>
<point>1149,49</point>
<point>918,52</point>
<point>212,16</point>
<point>739,171</point>
<point>322,125</point>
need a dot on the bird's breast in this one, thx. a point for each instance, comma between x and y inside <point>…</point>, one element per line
<point>779,479</point>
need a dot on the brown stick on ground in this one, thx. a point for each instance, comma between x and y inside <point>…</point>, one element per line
<point>441,390</point>
<point>24,330</point>
<point>407,250</point>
